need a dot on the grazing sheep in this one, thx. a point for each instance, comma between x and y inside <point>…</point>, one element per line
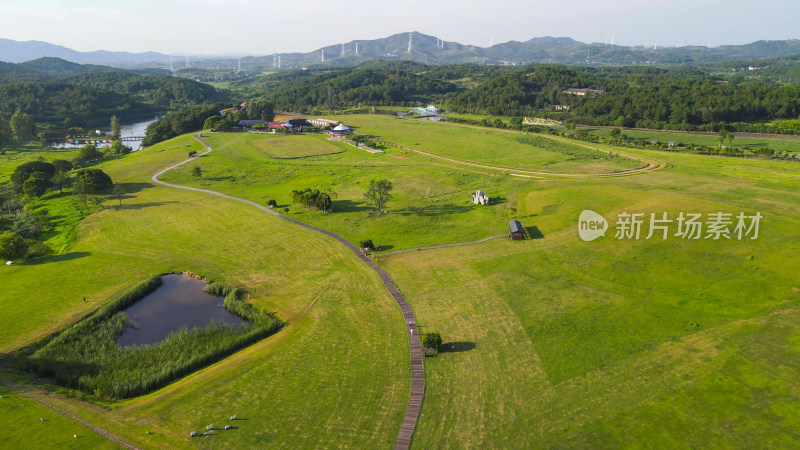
<point>193,434</point>
<point>233,417</point>
<point>227,427</point>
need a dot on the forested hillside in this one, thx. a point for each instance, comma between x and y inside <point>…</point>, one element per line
<point>59,95</point>
<point>636,96</point>
<point>373,83</point>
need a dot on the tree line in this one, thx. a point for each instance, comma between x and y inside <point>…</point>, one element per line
<point>209,116</point>
<point>21,226</point>
<point>633,96</point>
<point>54,105</point>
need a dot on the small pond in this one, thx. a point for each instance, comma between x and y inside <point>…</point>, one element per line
<point>180,302</point>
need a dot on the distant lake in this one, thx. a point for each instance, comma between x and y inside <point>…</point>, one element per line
<point>180,302</point>
<point>130,129</point>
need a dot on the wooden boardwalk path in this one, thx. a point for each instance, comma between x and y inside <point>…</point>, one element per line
<point>417,371</point>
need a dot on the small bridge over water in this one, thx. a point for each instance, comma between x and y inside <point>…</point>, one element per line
<point>102,139</point>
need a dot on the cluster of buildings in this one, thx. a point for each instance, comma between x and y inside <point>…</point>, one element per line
<point>581,92</point>
<point>423,112</point>
<point>541,122</point>
<point>334,128</point>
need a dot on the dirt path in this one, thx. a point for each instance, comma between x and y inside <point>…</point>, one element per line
<point>105,433</point>
<point>417,371</point>
<point>457,244</point>
<point>782,137</point>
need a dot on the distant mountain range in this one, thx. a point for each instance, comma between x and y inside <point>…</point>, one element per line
<point>16,52</point>
<point>424,48</point>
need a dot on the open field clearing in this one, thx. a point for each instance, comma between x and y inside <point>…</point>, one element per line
<point>427,197</point>
<point>663,137</point>
<point>13,157</point>
<point>601,333</point>
<point>613,342</point>
<point>307,375</point>
<point>37,426</point>
<point>487,146</point>
<point>301,147</point>
<point>552,341</point>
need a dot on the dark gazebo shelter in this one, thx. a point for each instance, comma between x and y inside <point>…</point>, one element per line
<point>515,230</point>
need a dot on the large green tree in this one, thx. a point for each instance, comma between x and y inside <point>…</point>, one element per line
<point>24,171</point>
<point>12,246</point>
<point>115,128</point>
<point>36,185</point>
<point>6,135</point>
<point>211,121</point>
<point>22,125</point>
<point>378,193</point>
<point>62,165</point>
<point>117,148</point>
<point>432,341</point>
<point>260,109</point>
<point>59,180</point>
<point>87,154</point>
<point>91,182</point>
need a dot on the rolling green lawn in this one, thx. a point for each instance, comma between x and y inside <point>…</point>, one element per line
<point>787,145</point>
<point>325,380</point>
<point>489,146</point>
<point>54,431</point>
<point>297,147</point>
<point>564,342</point>
<point>611,343</point>
<point>558,342</point>
<point>427,196</point>
<point>17,155</point>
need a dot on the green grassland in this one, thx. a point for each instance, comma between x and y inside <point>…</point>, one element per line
<point>54,430</point>
<point>297,147</point>
<point>15,156</point>
<point>489,146</point>
<point>602,343</point>
<point>558,342</point>
<point>296,388</point>
<point>786,145</point>
<point>427,196</point>
<point>614,343</point>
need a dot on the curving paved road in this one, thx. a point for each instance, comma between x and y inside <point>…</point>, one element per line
<point>417,371</point>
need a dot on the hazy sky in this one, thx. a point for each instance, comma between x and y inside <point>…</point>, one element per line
<point>267,26</point>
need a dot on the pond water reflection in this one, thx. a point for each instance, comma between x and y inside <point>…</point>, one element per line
<point>179,302</point>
